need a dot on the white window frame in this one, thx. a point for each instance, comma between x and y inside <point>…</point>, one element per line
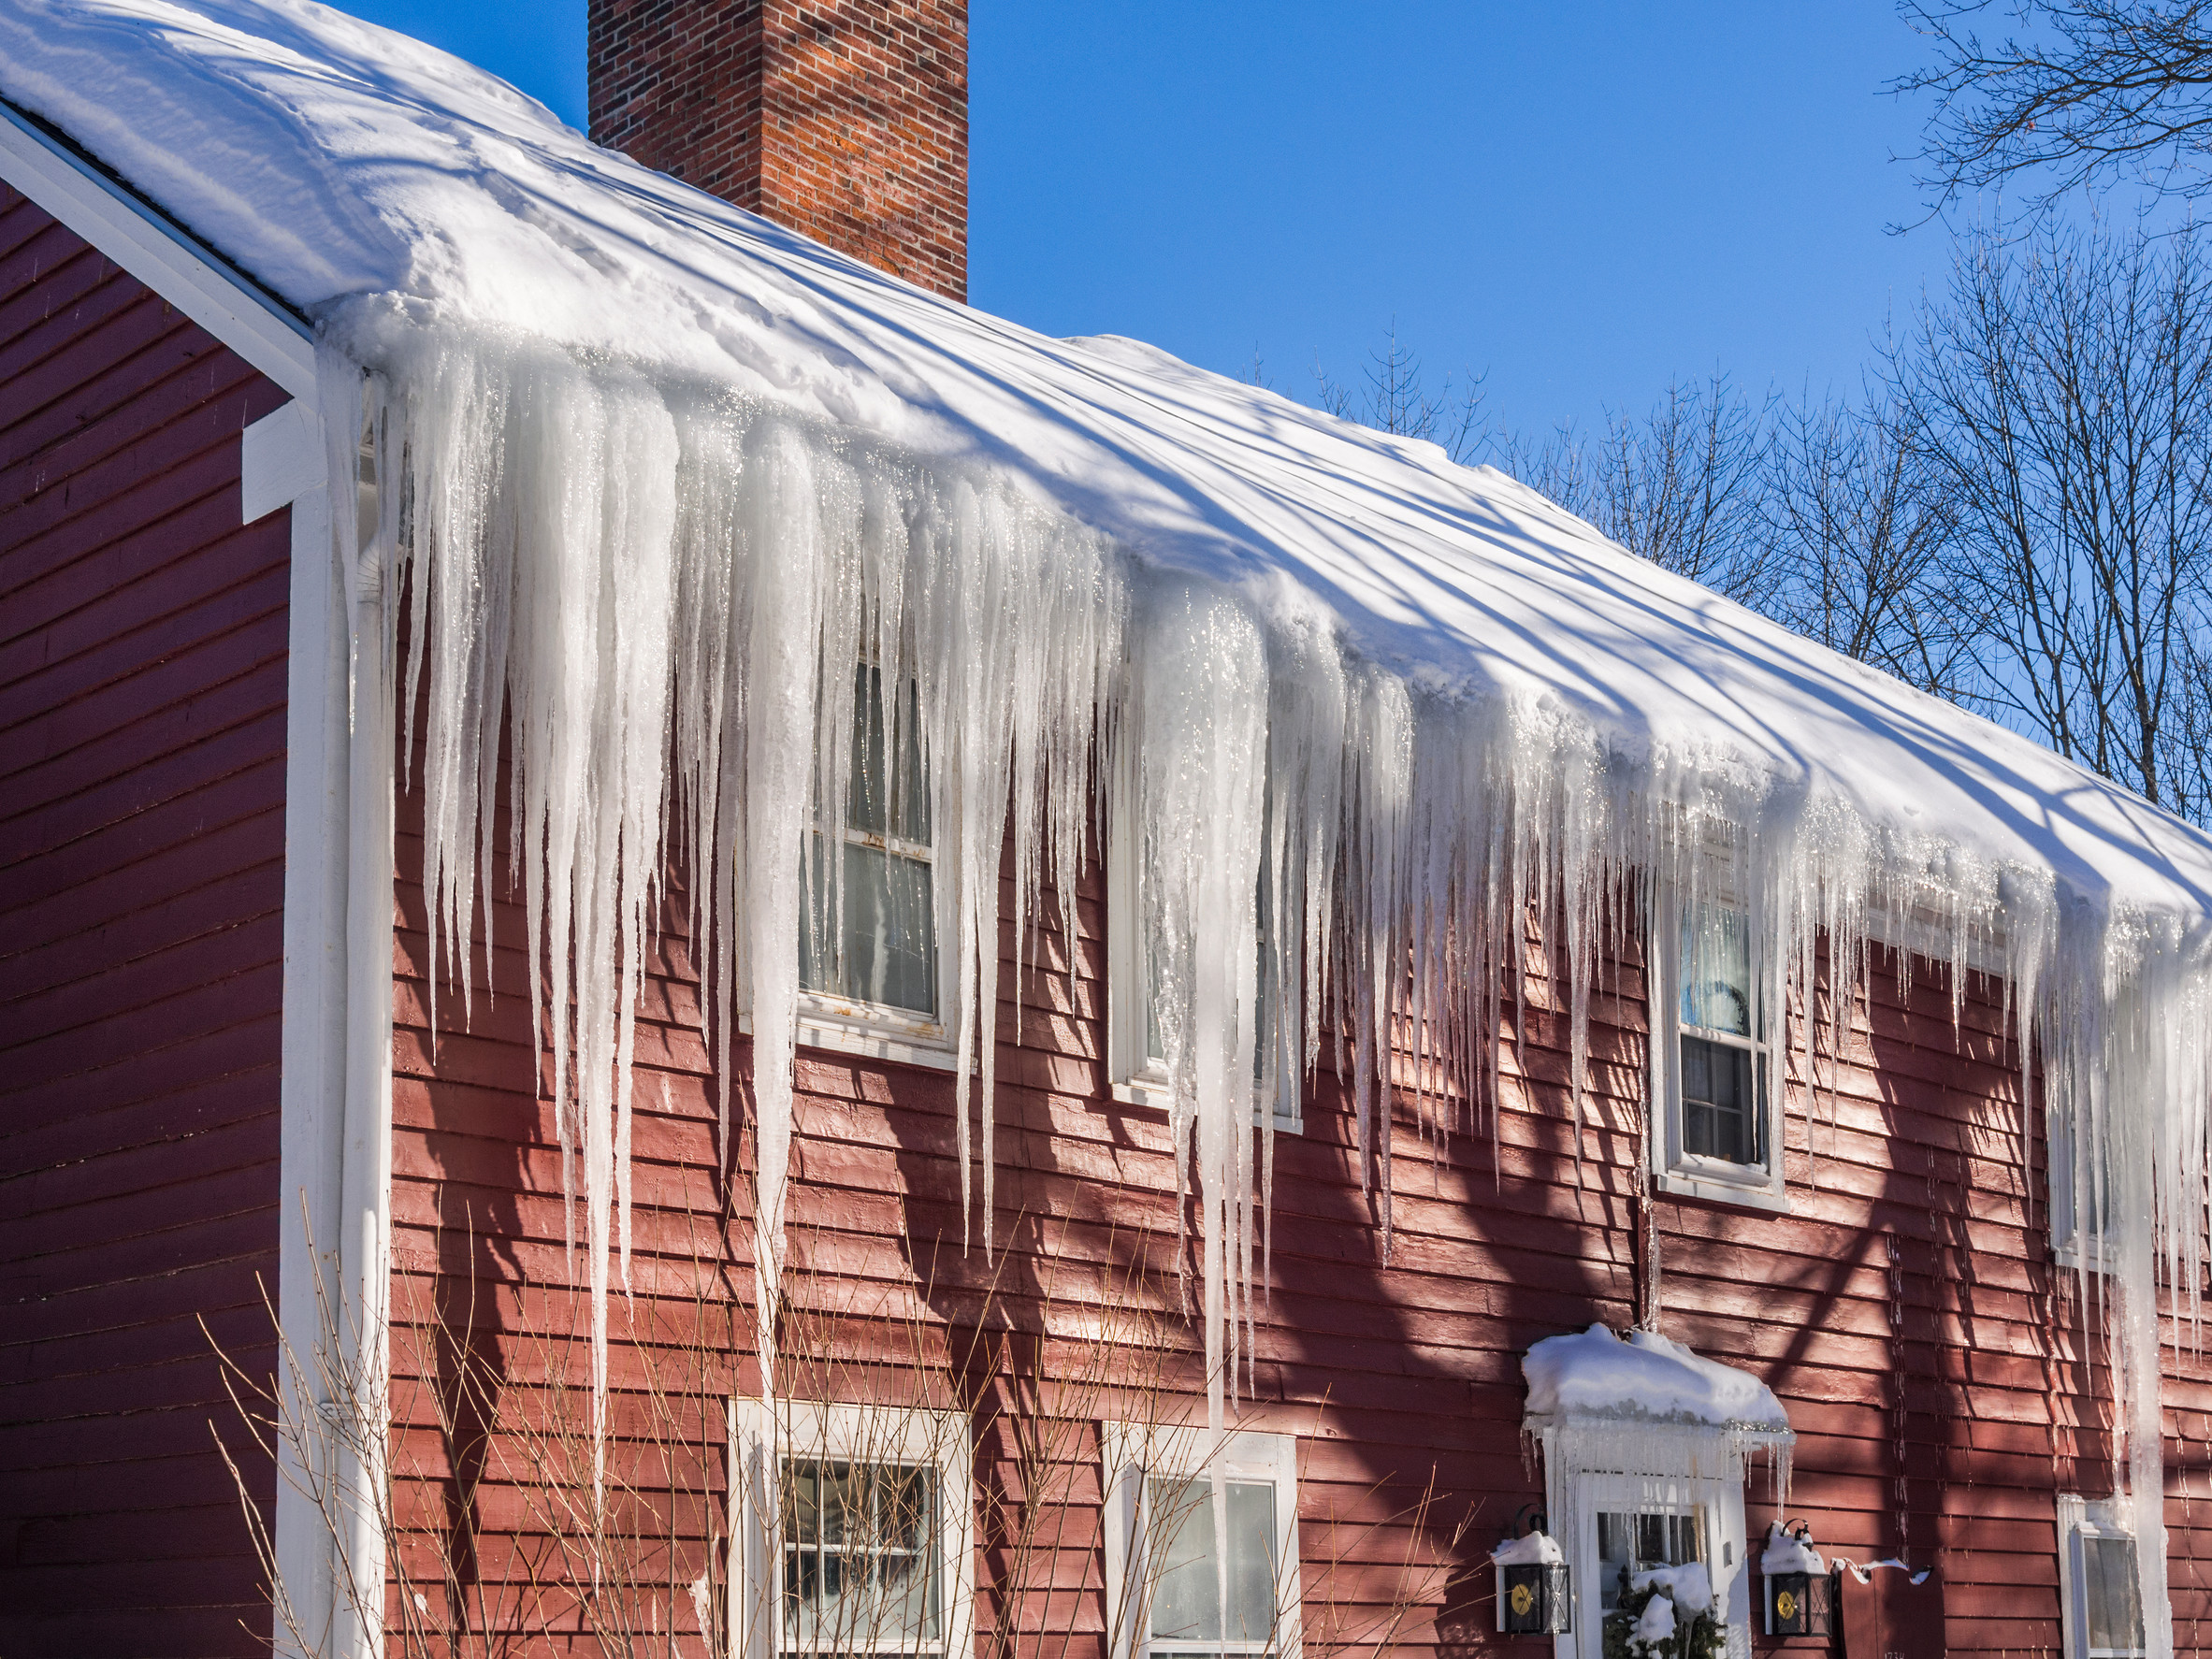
<point>2082,1518</point>
<point>831,1431</point>
<point>1137,1078</point>
<point>1693,1175</point>
<point>2059,1151</point>
<point>1130,1455</point>
<point>875,1030</point>
<point>1717,1502</point>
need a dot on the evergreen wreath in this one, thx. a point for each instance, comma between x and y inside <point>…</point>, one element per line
<point>1697,1636</point>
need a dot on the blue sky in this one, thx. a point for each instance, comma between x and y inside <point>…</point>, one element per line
<point>1582,200</point>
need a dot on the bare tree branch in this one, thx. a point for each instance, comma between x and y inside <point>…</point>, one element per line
<point>2084,93</point>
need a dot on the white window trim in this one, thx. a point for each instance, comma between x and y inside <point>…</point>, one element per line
<point>870,1032</point>
<point>815,1429</point>
<point>1577,1495</point>
<point>2080,1518</point>
<point>1135,1077</point>
<point>1128,1453</point>
<point>2067,1248</point>
<point>877,1031</point>
<point>1691,1175</point>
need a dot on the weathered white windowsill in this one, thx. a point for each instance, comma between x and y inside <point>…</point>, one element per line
<point>866,1034</point>
<point>1772,1198</point>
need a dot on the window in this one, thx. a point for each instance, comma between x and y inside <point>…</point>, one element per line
<point>1630,1541</point>
<point>868,960</point>
<point>1188,1577</point>
<point>1134,1053</point>
<point>2074,1190</point>
<point>1618,1524</point>
<point>2100,1599</point>
<point>1711,1061</point>
<point>853,1531</point>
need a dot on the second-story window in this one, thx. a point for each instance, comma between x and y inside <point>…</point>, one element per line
<point>1722,1038</point>
<point>869,934</point>
<point>1715,1133</point>
<point>1136,1054</point>
<point>2081,1189</point>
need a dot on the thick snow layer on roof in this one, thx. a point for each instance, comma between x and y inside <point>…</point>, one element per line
<point>332,159</point>
<point>1641,1377</point>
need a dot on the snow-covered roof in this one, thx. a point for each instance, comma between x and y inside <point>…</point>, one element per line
<point>1644,1377</point>
<point>332,160</point>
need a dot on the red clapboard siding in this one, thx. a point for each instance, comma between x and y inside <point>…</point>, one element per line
<point>143,661</point>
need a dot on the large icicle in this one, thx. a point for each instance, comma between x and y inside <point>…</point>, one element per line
<point>1199,724</point>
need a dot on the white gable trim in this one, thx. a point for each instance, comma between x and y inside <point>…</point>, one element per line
<point>159,252</point>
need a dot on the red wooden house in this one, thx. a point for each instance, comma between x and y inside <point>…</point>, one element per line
<point>596,790</point>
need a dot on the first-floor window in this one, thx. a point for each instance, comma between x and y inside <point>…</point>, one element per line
<point>1716,1127</point>
<point>2103,1600</point>
<point>1202,1556</point>
<point>852,1531</point>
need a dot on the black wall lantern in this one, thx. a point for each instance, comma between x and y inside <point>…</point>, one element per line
<point>1800,1591</point>
<point>1535,1585</point>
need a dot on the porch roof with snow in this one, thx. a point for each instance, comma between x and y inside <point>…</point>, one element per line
<point>372,182</point>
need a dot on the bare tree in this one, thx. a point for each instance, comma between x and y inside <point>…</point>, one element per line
<point>2081,92</point>
<point>1395,399</point>
<point>1679,485</point>
<point>2059,398</point>
<point>1859,534</point>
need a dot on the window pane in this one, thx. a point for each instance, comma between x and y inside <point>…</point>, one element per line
<point>1187,1588</point>
<point>1628,1543</point>
<point>1186,1591</point>
<point>1720,1099</point>
<point>1252,1561</point>
<point>1267,1031</point>
<point>2114,1610</point>
<point>888,952</point>
<point>1716,970</point>
<point>887,799</point>
<point>860,1551</point>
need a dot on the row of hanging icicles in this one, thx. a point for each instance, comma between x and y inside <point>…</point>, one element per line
<point>659,595</point>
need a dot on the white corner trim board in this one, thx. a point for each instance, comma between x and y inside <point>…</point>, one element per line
<point>335,1160</point>
<point>283,463</point>
<point>160,253</point>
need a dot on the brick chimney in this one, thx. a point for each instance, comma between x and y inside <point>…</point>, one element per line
<point>846,120</point>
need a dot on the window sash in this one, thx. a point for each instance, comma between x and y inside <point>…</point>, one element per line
<point>1721,1140</point>
<point>1186,1590</point>
<point>868,928</point>
<point>767,1442</point>
<point>1652,1537</point>
<point>1138,1066</point>
<point>2062,1152</point>
<point>2110,1597</point>
<point>1160,1479</point>
<point>823,1608</point>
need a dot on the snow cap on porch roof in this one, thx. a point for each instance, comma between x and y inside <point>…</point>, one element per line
<point>1645,1405</point>
<point>378,183</point>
